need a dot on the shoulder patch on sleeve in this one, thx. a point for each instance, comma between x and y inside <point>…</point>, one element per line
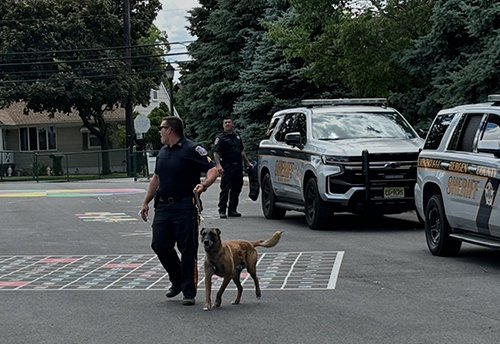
<point>201,151</point>
<point>216,141</point>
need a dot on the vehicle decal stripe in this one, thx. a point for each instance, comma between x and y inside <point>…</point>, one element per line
<point>485,206</point>
<point>459,167</point>
<point>290,154</point>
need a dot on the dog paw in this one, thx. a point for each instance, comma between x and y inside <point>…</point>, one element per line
<point>207,308</point>
<point>235,302</point>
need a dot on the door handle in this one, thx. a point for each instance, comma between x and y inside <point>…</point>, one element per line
<point>272,151</point>
<point>286,153</point>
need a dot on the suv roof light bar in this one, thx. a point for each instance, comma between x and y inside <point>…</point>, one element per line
<point>495,98</point>
<point>345,101</point>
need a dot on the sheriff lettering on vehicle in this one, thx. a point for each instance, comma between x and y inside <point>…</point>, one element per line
<point>458,178</point>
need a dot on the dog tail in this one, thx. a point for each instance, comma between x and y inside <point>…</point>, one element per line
<point>272,241</point>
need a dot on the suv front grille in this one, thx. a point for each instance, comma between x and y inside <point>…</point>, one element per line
<point>385,170</point>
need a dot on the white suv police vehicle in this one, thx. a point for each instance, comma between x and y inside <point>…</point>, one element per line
<point>458,177</point>
<point>338,155</point>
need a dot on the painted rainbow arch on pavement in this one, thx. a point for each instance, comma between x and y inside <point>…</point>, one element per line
<point>69,192</point>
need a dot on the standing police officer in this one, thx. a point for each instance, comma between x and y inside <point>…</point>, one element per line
<point>176,177</point>
<point>228,154</point>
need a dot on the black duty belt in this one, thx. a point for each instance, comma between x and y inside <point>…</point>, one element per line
<point>173,200</point>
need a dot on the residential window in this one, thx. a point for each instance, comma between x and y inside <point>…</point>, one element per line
<point>38,138</point>
<point>154,95</point>
<point>90,141</point>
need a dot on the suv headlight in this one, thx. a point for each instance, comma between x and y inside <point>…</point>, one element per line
<point>333,159</point>
<point>334,164</point>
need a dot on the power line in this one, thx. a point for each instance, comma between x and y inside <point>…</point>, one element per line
<point>44,18</point>
<point>91,49</point>
<point>102,76</point>
<point>20,64</point>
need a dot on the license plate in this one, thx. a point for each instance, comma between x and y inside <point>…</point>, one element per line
<point>394,192</point>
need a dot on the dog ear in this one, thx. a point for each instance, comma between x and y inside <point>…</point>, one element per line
<point>202,231</point>
<point>218,231</point>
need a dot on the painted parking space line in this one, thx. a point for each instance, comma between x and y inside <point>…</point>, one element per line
<point>276,271</point>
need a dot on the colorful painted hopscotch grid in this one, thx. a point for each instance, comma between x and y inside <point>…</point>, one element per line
<point>290,270</point>
<point>105,217</point>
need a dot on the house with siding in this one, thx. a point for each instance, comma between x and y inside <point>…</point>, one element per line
<point>24,136</point>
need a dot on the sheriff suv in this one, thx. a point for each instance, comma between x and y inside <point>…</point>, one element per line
<point>458,177</point>
<point>338,155</point>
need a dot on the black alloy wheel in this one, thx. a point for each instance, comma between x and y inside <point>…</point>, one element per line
<point>438,230</point>
<point>268,200</point>
<point>319,214</point>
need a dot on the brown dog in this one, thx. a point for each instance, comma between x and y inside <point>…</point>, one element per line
<point>227,259</point>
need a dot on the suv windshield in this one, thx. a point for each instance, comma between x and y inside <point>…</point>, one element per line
<point>351,125</point>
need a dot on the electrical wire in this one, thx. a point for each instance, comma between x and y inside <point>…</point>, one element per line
<point>92,49</point>
<point>20,64</point>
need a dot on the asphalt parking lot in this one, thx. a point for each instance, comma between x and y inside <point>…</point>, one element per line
<point>76,267</point>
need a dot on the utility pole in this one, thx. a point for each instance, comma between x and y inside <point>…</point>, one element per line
<point>128,105</point>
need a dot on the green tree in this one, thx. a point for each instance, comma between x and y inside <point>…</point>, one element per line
<point>311,36</point>
<point>271,83</point>
<point>459,55</point>
<point>60,55</point>
<point>210,82</point>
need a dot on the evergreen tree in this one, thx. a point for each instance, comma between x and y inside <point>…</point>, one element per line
<point>271,83</point>
<point>458,57</point>
<point>210,83</point>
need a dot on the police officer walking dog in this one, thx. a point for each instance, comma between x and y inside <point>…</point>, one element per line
<point>228,154</point>
<point>176,177</point>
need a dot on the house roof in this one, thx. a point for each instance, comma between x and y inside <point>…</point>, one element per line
<point>14,116</point>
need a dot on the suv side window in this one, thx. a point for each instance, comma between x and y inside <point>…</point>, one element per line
<point>301,127</point>
<point>441,123</point>
<point>465,133</point>
<point>492,129</point>
<point>271,128</point>
<point>287,126</point>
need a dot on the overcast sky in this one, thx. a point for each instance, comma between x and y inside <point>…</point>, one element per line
<point>172,19</point>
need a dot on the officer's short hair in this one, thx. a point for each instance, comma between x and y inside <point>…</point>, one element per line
<point>227,117</point>
<point>175,123</point>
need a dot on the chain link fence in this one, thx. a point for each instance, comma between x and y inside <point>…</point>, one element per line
<point>114,163</point>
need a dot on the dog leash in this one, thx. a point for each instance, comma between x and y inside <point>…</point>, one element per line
<point>199,208</point>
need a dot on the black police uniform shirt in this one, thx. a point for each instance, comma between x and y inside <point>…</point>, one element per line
<point>229,146</point>
<point>179,168</point>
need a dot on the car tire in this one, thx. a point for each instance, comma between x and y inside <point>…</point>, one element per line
<point>438,230</point>
<point>319,214</point>
<point>268,199</point>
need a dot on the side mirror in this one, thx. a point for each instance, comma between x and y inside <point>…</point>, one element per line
<point>489,146</point>
<point>294,140</point>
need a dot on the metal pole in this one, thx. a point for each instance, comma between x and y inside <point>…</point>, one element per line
<point>128,106</point>
<point>171,97</point>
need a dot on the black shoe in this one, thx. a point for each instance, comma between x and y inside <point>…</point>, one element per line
<point>173,291</point>
<point>233,214</point>
<point>188,301</point>
<point>222,214</point>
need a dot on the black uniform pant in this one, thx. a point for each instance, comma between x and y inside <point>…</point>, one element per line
<point>230,187</point>
<point>177,223</point>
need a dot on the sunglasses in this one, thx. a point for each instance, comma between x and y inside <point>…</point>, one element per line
<point>163,127</point>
